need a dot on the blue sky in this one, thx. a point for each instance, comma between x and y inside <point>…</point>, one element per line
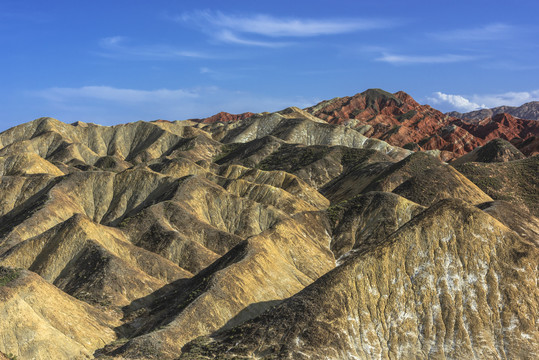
<point>111,62</point>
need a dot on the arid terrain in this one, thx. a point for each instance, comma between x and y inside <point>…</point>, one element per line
<point>363,227</point>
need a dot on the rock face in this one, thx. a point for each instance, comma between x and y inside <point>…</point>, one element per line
<point>273,235</point>
<point>502,126</point>
<point>414,294</point>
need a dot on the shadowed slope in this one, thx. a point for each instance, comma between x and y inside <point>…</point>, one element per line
<point>424,292</point>
<point>514,181</point>
<point>267,267</point>
<point>32,327</point>
<point>420,178</point>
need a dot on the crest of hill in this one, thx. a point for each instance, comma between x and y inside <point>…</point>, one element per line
<point>406,296</point>
<point>529,111</point>
<point>56,141</point>
<point>419,177</point>
<point>295,126</point>
<point>497,150</point>
<point>223,117</point>
<point>513,181</point>
<point>399,120</point>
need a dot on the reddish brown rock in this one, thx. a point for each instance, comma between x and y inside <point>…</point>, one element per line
<point>502,126</point>
<point>529,147</point>
<point>399,120</point>
<point>224,117</point>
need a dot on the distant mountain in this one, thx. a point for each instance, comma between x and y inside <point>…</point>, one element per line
<point>529,111</point>
<point>224,117</point>
<point>399,120</point>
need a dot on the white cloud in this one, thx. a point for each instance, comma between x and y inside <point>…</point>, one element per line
<point>118,46</point>
<point>112,94</point>
<point>488,32</point>
<point>109,105</point>
<point>229,37</point>
<point>227,28</point>
<point>478,101</point>
<point>279,27</point>
<point>423,59</point>
<point>509,98</point>
<point>457,101</point>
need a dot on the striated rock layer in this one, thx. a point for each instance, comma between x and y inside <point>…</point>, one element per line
<point>447,284</point>
<point>400,120</point>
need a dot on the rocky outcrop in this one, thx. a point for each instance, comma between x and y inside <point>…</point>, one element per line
<point>502,126</point>
<point>399,120</point>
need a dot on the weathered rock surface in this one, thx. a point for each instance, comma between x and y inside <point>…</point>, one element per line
<point>272,235</point>
<point>400,120</point>
<point>420,178</point>
<point>453,292</point>
<point>41,322</point>
<point>224,117</point>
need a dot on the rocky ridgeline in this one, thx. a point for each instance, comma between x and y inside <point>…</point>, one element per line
<point>399,120</point>
<point>529,111</point>
<point>273,235</point>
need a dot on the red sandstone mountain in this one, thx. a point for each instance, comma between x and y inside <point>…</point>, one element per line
<point>502,126</point>
<point>399,120</point>
<point>224,117</point>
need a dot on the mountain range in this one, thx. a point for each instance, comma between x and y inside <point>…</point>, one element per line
<point>399,120</point>
<point>363,227</point>
<point>528,111</point>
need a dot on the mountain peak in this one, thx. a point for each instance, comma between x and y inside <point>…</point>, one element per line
<point>528,111</point>
<point>224,117</point>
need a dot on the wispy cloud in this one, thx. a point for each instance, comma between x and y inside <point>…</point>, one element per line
<point>279,27</point>
<point>111,94</point>
<point>119,46</point>
<point>230,37</point>
<point>234,28</point>
<point>479,101</point>
<point>496,32</point>
<point>423,59</point>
